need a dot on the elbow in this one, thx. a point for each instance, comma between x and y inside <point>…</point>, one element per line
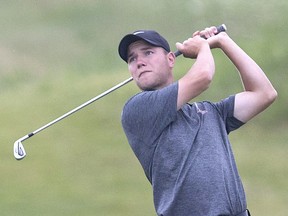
<point>206,78</point>
<point>273,95</point>
<point>270,96</point>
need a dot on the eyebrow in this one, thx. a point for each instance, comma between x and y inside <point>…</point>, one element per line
<point>142,49</point>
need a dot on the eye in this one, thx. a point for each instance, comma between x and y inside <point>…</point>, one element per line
<point>149,52</point>
<point>131,59</point>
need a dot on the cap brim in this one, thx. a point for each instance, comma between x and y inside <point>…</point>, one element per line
<point>125,43</point>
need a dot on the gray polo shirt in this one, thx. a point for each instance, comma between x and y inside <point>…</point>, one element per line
<point>186,154</point>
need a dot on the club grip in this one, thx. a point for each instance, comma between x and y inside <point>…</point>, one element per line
<point>221,28</point>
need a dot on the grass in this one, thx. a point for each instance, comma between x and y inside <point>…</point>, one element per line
<point>260,154</point>
<point>56,55</point>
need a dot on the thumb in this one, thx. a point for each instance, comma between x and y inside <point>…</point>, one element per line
<point>179,46</point>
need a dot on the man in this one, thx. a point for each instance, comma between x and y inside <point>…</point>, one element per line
<point>184,148</point>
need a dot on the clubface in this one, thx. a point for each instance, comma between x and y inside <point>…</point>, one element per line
<point>19,151</point>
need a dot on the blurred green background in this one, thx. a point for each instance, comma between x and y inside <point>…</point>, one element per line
<point>56,55</point>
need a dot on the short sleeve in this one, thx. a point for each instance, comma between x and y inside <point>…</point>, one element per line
<point>226,109</point>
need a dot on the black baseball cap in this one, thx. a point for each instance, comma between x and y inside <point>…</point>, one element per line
<point>150,36</point>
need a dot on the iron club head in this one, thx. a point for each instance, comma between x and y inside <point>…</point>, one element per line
<point>19,151</point>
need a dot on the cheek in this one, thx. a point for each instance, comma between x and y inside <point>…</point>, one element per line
<point>131,69</point>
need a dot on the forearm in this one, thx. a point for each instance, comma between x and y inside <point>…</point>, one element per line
<point>204,64</point>
<point>252,76</point>
<point>198,78</point>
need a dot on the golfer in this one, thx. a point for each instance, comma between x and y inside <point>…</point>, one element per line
<point>184,147</point>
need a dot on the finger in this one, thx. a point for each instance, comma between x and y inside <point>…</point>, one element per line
<point>196,33</point>
<point>179,46</point>
<point>214,30</point>
<point>209,32</point>
<point>203,34</point>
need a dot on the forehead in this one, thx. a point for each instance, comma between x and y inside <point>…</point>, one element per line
<point>140,44</point>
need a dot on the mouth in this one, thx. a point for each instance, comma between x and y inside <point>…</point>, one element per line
<point>143,72</point>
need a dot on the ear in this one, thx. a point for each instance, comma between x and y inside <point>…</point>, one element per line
<point>171,59</point>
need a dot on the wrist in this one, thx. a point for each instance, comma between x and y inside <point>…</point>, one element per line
<point>223,41</point>
<point>205,47</point>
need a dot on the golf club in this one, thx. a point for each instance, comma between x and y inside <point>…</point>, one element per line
<point>18,148</point>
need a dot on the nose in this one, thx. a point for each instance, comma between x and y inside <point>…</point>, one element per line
<point>140,63</point>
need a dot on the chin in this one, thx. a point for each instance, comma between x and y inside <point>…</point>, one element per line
<point>147,87</point>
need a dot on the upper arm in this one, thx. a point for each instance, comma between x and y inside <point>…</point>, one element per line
<point>248,104</point>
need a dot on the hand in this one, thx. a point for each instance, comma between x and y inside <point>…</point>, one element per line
<point>192,46</point>
<point>210,34</point>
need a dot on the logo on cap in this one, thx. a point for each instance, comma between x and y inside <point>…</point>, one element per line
<point>138,32</point>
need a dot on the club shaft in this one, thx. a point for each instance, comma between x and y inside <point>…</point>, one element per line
<point>79,107</point>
